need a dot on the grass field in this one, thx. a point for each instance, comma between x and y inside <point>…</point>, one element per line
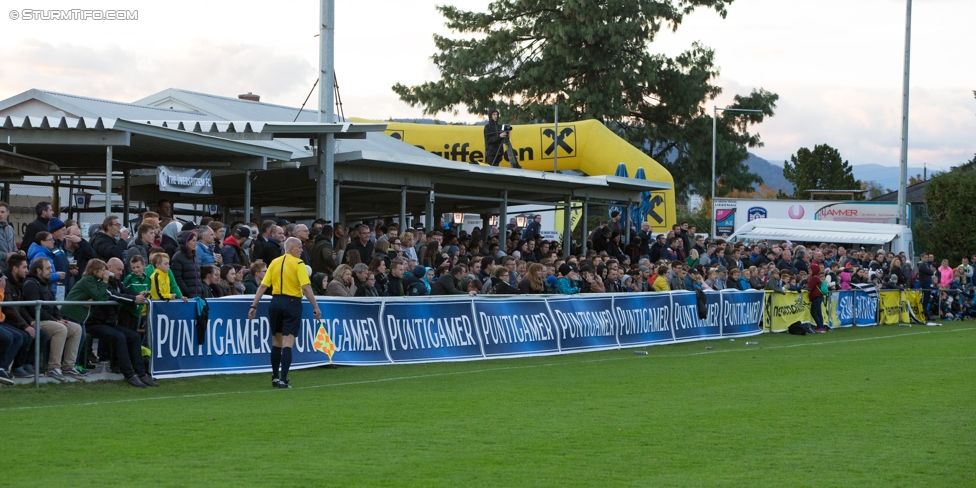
<point>882,406</point>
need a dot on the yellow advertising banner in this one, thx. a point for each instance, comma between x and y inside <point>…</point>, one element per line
<point>914,299</point>
<point>892,310</point>
<point>785,309</point>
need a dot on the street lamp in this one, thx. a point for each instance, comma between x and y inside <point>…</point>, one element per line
<point>714,132</point>
<point>458,217</point>
<point>520,221</point>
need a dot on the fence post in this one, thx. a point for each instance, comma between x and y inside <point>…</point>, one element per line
<point>37,344</point>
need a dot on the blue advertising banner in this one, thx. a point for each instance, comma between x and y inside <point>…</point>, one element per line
<point>374,331</point>
<point>841,309</point>
<point>584,322</point>
<point>742,312</point>
<point>643,318</point>
<point>354,329</point>
<point>684,312</point>
<point>865,309</point>
<point>434,329</point>
<point>231,342</point>
<point>515,327</point>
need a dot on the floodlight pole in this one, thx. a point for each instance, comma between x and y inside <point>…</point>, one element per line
<point>714,135</point>
<point>903,168</point>
<point>325,146</point>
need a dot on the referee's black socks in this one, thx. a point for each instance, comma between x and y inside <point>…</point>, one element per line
<point>285,362</point>
<point>276,360</point>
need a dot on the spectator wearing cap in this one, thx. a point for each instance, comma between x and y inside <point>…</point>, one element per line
<point>568,281</point>
<point>233,247</point>
<point>721,278</point>
<point>57,229</point>
<point>534,228</point>
<point>323,253</point>
<point>44,213</point>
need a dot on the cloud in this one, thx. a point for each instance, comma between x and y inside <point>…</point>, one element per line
<point>117,73</point>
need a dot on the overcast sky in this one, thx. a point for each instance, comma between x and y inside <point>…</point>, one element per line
<point>836,64</point>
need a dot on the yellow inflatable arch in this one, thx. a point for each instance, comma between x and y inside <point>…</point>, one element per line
<point>587,146</point>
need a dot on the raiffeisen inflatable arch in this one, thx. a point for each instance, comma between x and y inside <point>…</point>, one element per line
<point>587,146</point>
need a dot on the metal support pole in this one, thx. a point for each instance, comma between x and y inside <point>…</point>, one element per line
<point>429,214</point>
<point>126,196</point>
<point>903,169</point>
<point>568,226</point>
<point>336,212</point>
<point>71,198</point>
<point>503,223</point>
<point>247,196</point>
<point>555,139</point>
<point>403,209</point>
<point>585,231</point>
<point>324,207</point>
<point>37,344</point>
<point>108,181</point>
<point>627,225</point>
<point>714,132</point>
<point>56,196</point>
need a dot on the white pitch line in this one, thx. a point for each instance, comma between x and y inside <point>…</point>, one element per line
<point>452,373</point>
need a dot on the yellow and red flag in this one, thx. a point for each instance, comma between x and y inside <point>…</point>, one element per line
<point>323,343</point>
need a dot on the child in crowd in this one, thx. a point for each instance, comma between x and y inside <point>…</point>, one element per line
<point>161,286</point>
<point>137,282</point>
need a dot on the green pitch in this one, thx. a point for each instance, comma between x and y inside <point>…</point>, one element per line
<point>882,406</point>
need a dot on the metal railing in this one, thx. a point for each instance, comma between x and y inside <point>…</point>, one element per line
<point>37,326</point>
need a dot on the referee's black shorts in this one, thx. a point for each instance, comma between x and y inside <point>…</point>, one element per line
<point>285,314</point>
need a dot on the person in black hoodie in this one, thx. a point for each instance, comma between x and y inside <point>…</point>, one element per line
<point>493,139</point>
<point>185,269</point>
<point>44,213</point>
<point>65,335</point>
<point>448,282</point>
<point>16,321</point>
<point>110,240</point>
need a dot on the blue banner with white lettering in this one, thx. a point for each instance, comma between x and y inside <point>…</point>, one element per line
<point>865,308</point>
<point>515,327</point>
<point>584,322</point>
<point>374,331</point>
<point>684,313</point>
<point>643,318</point>
<point>230,342</point>
<point>430,329</point>
<point>742,312</point>
<point>841,309</point>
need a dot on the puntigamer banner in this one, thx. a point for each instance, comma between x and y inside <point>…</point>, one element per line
<point>417,330</point>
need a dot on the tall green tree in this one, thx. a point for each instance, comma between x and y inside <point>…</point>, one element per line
<point>820,169</point>
<point>593,60</point>
<point>952,231</point>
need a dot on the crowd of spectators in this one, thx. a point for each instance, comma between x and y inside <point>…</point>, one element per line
<point>167,259</point>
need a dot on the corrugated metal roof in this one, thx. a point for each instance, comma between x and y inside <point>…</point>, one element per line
<point>817,231</point>
<point>79,106</point>
<point>228,108</point>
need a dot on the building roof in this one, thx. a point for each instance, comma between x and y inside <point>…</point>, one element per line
<point>226,108</point>
<point>75,106</point>
<point>914,194</point>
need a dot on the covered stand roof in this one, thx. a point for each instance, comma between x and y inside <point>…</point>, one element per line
<point>817,231</point>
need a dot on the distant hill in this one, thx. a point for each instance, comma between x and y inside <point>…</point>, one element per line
<point>772,173</point>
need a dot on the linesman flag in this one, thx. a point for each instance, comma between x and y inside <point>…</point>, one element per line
<point>323,343</point>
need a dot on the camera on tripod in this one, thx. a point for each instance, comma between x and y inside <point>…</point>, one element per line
<point>506,128</point>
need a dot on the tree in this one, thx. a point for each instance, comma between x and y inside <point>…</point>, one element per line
<point>820,169</point>
<point>875,189</point>
<point>952,232</point>
<point>914,180</point>
<point>592,60</point>
<point>763,193</point>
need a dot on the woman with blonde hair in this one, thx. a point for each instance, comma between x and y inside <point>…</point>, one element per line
<point>342,284</point>
<point>534,281</point>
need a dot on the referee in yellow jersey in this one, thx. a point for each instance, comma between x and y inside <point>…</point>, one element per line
<point>288,279</point>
